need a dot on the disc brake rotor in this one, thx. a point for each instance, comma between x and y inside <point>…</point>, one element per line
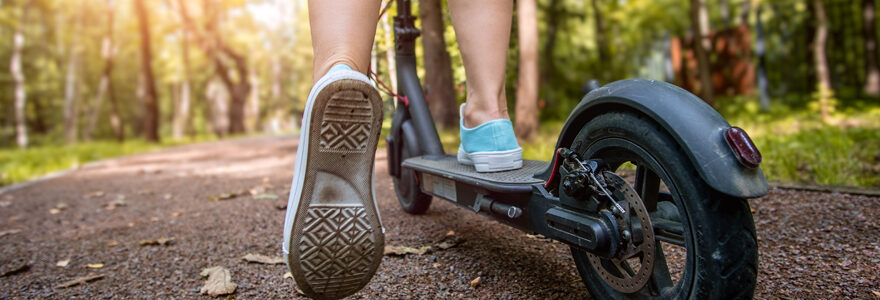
<point>618,272</point>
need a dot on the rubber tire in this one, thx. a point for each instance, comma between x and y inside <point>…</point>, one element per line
<point>722,254</point>
<point>410,196</point>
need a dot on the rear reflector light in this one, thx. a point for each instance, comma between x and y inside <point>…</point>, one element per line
<point>743,147</point>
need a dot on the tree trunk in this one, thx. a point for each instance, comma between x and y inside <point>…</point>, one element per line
<point>823,77</point>
<point>18,81</point>
<point>71,109</point>
<point>217,97</point>
<point>105,84</point>
<point>744,11</point>
<point>702,43</point>
<point>601,40</point>
<point>148,95</point>
<point>390,53</point>
<point>438,82</point>
<point>252,111</point>
<point>527,83</point>
<point>182,108</point>
<point>869,35</point>
<point>549,68</point>
<point>724,12</point>
<point>760,50</point>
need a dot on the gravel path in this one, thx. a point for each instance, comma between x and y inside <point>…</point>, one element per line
<point>201,197</point>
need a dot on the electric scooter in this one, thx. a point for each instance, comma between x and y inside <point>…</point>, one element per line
<point>693,174</point>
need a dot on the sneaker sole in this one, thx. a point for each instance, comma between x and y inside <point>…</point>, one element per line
<point>493,161</point>
<point>336,241</point>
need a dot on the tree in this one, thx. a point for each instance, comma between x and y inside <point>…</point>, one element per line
<point>702,43</point>
<point>527,83</point>
<point>105,85</point>
<point>147,90</point>
<point>601,40</point>
<point>18,80</point>
<point>182,107</point>
<point>438,81</point>
<point>820,59</point>
<point>212,42</point>
<point>869,35</point>
<point>390,53</point>
<point>760,51</point>
<point>71,111</point>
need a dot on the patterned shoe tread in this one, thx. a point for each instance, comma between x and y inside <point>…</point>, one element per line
<point>336,249</point>
<point>345,127</point>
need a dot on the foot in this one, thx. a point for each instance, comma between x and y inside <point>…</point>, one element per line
<point>333,236</point>
<point>489,147</point>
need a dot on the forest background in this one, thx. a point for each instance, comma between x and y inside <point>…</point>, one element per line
<point>82,80</point>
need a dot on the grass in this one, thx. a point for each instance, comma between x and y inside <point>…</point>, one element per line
<point>18,165</point>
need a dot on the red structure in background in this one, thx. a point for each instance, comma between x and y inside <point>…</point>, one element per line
<point>733,70</point>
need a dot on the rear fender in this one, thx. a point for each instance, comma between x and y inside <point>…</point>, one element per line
<point>695,125</point>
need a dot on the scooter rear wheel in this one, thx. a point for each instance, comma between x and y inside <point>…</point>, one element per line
<point>409,194</point>
<point>716,232</point>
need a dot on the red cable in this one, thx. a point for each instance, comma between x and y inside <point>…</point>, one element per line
<point>387,89</point>
<point>555,166</point>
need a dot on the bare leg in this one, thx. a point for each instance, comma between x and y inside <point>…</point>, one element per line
<point>342,32</point>
<point>482,28</point>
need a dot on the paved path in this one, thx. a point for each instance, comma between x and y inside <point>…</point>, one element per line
<point>200,196</point>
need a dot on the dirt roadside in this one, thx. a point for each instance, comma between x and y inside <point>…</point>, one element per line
<point>215,202</point>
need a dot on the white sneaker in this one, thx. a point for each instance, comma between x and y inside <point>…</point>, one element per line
<point>333,236</point>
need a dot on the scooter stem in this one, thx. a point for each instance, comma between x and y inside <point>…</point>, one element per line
<point>405,35</point>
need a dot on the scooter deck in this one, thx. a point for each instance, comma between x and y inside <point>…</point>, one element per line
<point>519,180</point>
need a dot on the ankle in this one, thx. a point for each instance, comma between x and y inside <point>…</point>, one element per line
<point>475,116</point>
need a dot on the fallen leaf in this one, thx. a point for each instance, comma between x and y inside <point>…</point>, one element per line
<point>287,275</point>
<point>95,194</point>
<point>9,232</point>
<point>176,214</point>
<point>537,237</point>
<point>157,242</point>
<point>263,259</point>
<point>752,209</point>
<point>62,263</point>
<point>154,219</point>
<point>476,281</point>
<point>15,270</point>
<point>58,208</point>
<point>449,242</point>
<point>225,196</point>
<point>437,265</point>
<point>112,244</point>
<point>14,218</point>
<point>404,250</point>
<point>219,282</point>
<point>95,266</point>
<point>119,202</point>
<point>5,203</point>
<point>79,280</point>
<point>450,233</point>
<point>266,196</point>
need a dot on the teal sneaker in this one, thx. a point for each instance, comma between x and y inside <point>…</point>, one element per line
<point>489,147</point>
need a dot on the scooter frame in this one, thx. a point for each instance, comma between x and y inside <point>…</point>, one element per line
<point>527,203</point>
